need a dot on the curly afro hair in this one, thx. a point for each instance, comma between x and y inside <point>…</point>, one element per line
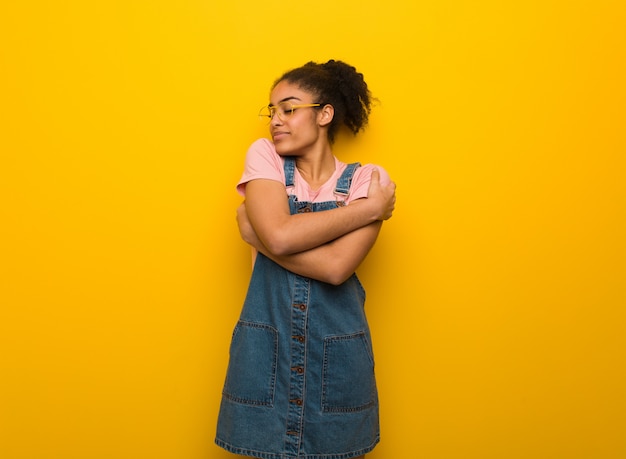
<point>338,84</point>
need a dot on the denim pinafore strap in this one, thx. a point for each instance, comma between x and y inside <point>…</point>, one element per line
<point>342,187</point>
<point>300,381</point>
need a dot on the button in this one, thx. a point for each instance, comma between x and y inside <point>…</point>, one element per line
<point>299,338</point>
<point>298,370</point>
<point>301,307</point>
<point>297,401</point>
<point>305,209</point>
<point>292,432</point>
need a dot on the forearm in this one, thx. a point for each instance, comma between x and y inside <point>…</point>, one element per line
<point>301,232</point>
<point>283,234</point>
<point>333,262</point>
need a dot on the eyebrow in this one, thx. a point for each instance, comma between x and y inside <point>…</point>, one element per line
<point>285,100</point>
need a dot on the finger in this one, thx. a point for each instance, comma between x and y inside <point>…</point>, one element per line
<point>375,175</point>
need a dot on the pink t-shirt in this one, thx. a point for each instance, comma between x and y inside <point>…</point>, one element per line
<point>262,162</point>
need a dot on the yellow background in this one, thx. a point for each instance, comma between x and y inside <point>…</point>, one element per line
<point>496,294</point>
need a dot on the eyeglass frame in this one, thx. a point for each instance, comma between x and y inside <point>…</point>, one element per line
<point>271,108</point>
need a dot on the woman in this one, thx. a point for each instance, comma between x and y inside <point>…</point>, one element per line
<point>300,381</point>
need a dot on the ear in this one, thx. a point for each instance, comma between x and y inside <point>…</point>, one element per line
<point>325,115</point>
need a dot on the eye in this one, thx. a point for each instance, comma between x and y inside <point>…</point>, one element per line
<point>285,109</point>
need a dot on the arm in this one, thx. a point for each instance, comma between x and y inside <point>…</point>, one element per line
<point>333,262</point>
<point>283,234</point>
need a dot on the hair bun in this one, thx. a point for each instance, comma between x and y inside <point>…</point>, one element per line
<point>339,84</point>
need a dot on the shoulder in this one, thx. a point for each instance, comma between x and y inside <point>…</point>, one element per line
<point>362,178</point>
<point>261,147</point>
<point>364,174</point>
<point>262,162</point>
<point>262,154</point>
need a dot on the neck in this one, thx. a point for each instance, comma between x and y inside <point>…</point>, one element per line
<point>317,166</point>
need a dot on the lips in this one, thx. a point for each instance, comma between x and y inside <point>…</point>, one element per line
<point>277,135</point>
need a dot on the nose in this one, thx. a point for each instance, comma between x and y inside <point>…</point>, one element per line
<point>276,119</point>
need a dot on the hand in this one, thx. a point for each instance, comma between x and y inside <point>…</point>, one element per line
<point>384,197</point>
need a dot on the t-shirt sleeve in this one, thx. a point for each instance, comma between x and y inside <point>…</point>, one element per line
<point>262,162</point>
<point>362,178</point>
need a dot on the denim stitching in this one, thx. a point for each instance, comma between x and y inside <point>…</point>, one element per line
<point>326,376</point>
<point>269,399</point>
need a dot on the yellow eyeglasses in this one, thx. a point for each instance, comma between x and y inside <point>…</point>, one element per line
<point>284,110</point>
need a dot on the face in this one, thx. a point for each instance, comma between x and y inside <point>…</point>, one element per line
<point>303,129</point>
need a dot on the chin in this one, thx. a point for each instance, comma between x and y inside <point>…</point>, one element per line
<point>281,149</point>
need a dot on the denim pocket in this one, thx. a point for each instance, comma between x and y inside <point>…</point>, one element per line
<point>251,375</point>
<point>348,374</point>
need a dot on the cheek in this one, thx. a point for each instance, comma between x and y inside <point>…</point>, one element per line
<point>305,125</point>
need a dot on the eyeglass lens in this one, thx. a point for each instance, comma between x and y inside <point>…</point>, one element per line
<point>284,110</point>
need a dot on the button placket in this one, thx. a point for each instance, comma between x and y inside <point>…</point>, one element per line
<point>295,415</point>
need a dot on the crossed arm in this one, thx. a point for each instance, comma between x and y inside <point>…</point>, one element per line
<point>327,246</point>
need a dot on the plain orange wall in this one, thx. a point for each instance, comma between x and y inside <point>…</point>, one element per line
<point>496,294</point>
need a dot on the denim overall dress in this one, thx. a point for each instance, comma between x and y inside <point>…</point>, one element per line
<point>300,381</point>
